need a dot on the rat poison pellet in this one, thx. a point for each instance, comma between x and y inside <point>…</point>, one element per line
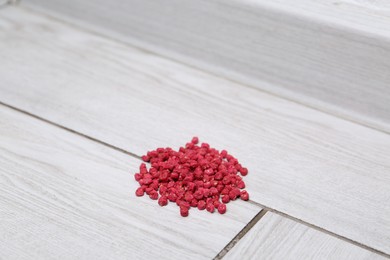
<point>195,176</point>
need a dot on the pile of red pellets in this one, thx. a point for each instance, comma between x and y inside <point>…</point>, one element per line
<point>195,176</point>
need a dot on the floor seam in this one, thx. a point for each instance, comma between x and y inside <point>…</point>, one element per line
<point>241,234</point>
<point>323,230</point>
<point>71,130</point>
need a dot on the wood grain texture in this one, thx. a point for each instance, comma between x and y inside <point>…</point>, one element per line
<point>313,166</point>
<point>65,197</point>
<point>276,237</point>
<point>332,55</point>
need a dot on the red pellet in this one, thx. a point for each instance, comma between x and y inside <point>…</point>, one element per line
<point>163,190</point>
<point>194,203</point>
<point>184,204</point>
<point>206,192</point>
<point>149,190</point>
<point>213,191</point>
<point>244,171</point>
<point>194,176</point>
<point>195,140</point>
<point>198,194</point>
<point>244,195</point>
<point>145,158</point>
<point>172,197</point>
<point>225,199</point>
<point>137,176</point>
<point>241,185</point>
<point>139,192</point>
<point>188,197</point>
<point>210,207</point>
<point>201,205</point>
<point>162,201</point>
<point>232,195</point>
<point>222,208</point>
<point>184,211</point>
<point>153,195</point>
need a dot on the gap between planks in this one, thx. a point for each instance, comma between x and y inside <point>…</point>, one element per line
<point>250,224</point>
<point>241,234</point>
<point>64,20</point>
<point>266,208</point>
<point>71,130</point>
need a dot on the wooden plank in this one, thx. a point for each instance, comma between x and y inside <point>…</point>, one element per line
<point>332,55</point>
<point>276,237</point>
<point>65,197</point>
<point>310,165</point>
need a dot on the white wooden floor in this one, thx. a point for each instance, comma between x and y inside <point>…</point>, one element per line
<point>75,106</point>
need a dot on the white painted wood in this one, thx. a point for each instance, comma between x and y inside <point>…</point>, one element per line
<point>276,237</point>
<point>65,197</point>
<point>332,55</point>
<point>326,171</point>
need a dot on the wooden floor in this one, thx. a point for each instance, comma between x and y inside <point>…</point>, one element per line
<point>77,109</point>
